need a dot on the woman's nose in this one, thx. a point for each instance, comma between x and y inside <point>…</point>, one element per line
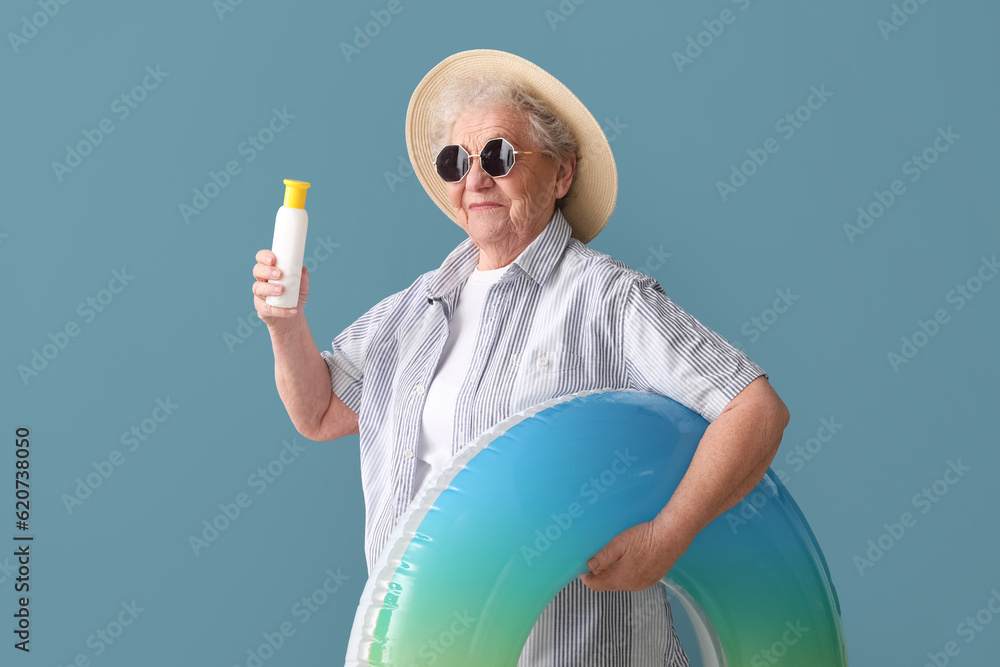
<point>477,178</point>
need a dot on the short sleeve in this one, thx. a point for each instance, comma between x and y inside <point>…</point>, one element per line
<point>349,350</point>
<point>669,352</point>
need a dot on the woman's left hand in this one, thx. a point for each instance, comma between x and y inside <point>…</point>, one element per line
<point>634,560</point>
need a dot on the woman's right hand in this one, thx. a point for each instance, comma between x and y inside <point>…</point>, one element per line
<point>265,270</point>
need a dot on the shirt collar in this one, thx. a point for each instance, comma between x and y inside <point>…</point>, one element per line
<point>536,261</point>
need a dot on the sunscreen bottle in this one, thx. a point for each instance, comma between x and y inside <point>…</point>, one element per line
<point>289,245</point>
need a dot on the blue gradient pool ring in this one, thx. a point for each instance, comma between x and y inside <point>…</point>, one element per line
<point>514,516</point>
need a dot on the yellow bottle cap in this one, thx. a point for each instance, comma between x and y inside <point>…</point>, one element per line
<point>295,193</point>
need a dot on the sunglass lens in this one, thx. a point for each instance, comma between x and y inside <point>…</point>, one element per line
<point>452,163</point>
<point>497,157</point>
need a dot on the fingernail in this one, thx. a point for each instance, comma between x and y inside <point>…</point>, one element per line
<point>275,273</point>
<point>592,563</point>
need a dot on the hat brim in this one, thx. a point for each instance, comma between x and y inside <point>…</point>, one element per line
<point>591,198</point>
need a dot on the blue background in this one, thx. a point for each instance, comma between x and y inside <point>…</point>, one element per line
<point>171,333</point>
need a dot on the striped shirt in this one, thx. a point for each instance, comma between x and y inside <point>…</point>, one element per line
<point>564,318</point>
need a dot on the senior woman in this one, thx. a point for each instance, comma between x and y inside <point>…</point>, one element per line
<point>520,312</point>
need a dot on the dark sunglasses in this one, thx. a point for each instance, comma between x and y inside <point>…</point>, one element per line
<point>496,158</point>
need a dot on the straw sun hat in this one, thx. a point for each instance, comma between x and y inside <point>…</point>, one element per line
<point>591,198</point>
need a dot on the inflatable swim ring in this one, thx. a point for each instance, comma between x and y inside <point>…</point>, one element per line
<point>514,516</point>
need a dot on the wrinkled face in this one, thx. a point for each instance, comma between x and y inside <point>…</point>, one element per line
<point>517,205</point>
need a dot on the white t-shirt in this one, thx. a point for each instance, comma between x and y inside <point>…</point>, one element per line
<point>438,423</point>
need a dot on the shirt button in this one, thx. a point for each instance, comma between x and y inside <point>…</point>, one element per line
<point>543,361</point>
<point>398,518</point>
<point>408,453</point>
<point>421,389</point>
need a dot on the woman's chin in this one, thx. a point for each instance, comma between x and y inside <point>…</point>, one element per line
<point>487,222</point>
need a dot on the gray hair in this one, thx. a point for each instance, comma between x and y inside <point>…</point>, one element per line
<point>550,133</point>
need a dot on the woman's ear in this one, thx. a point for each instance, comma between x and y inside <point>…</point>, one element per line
<point>564,177</point>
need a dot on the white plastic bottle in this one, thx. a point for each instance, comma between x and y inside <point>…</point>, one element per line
<point>289,245</point>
